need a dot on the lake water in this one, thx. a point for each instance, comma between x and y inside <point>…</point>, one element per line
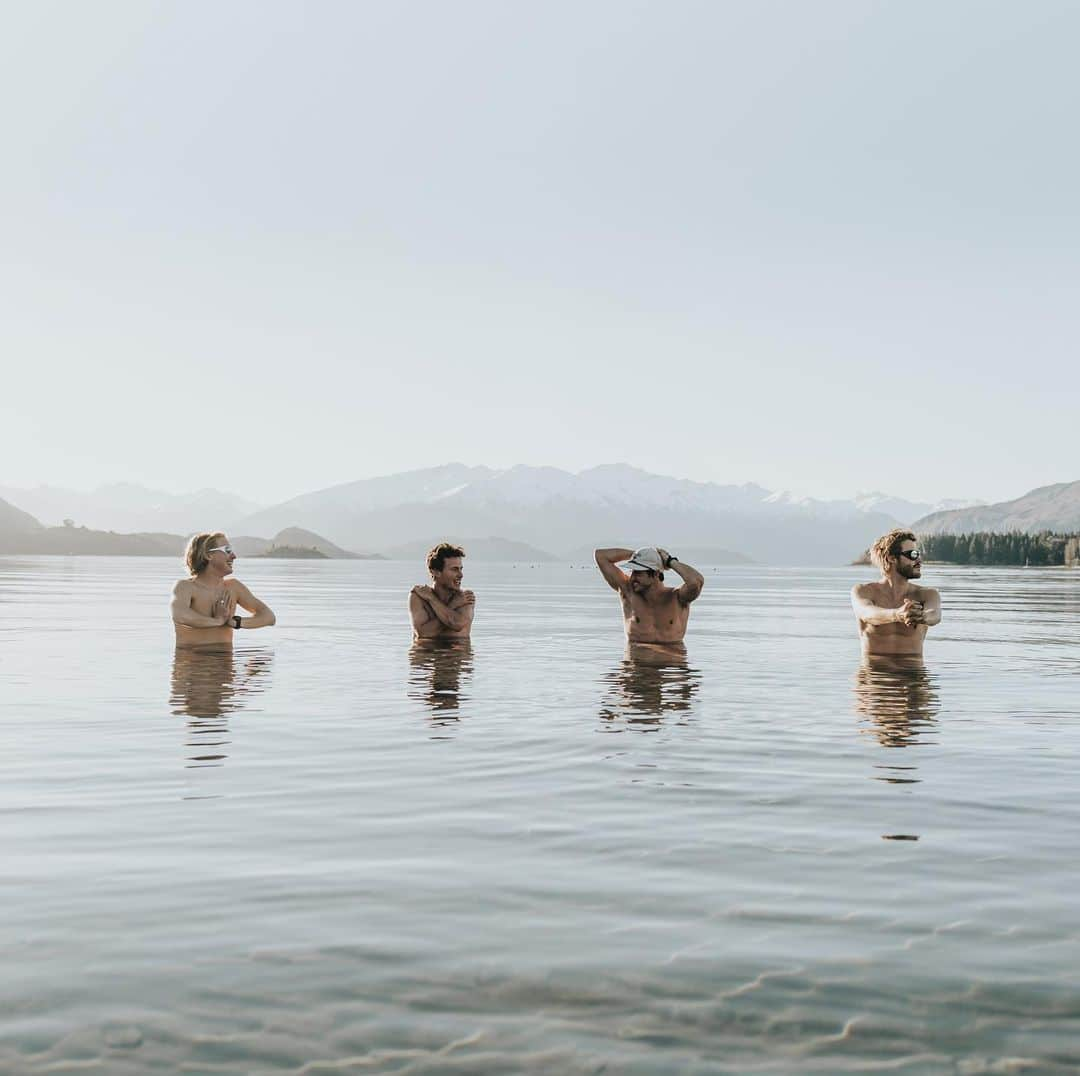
<point>327,855</point>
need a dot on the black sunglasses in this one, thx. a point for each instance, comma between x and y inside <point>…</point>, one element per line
<point>911,554</point>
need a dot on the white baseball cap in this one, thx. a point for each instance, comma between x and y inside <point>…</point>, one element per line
<point>645,559</point>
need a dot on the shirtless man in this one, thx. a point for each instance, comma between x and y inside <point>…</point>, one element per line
<point>894,612</point>
<point>652,612</point>
<point>204,605</point>
<point>443,610</point>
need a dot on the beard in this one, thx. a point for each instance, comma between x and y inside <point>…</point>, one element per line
<point>910,571</point>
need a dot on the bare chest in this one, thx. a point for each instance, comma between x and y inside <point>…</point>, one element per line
<point>665,615</point>
<point>204,598</point>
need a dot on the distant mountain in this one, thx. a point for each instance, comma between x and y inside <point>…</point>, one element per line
<point>15,521</point>
<point>906,512</point>
<point>123,506</point>
<point>560,511</point>
<point>298,538</point>
<point>248,546</point>
<point>476,549</point>
<point>544,513</point>
<point>21,533</point>
<point>1049,508</point>
<point>82,541</point>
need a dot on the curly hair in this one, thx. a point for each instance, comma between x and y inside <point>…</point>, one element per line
<point>438,555</point>
<point>195,556</point>
<point>888,546</point>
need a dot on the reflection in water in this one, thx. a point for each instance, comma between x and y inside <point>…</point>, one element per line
<point>900,698</point>
<point>650,681</point>
<point>438,666</point>
<point>208,684</point>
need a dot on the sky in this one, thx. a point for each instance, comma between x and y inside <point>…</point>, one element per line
<point>269,247</point>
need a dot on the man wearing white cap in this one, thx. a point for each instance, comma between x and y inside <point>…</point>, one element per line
<point>652,612</point>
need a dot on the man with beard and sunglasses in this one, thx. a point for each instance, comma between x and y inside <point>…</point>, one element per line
<point>652,613</point>
<point>204,604</point>
<point>895,612</point>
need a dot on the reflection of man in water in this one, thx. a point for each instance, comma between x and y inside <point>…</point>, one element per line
<point>206,686</point>
<point>442,610</point>
<point>895,612</point>
<point>898,696</point>
<point>649,682</point>
<point>204,604</point>
<point>214,682</point>
<point>438,666</point>
<point>652,612</point>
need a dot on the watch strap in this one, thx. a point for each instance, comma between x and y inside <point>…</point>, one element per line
<point>236,623</point>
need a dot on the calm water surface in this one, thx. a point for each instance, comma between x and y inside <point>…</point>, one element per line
<point>326,853</point>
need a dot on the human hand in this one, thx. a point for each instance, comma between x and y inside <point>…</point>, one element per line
<point>665,557</point>
<point>422,591</point>
<point>469,596</point>
<point>225,606</point>
<point>911,612</point>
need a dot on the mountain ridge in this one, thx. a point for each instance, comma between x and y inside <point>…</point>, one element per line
<point>561,511</point>
<point>1055,507</point>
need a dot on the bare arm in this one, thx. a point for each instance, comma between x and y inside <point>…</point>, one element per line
<point>425,625</point>
<point>931,608</point>
<point>456,618</point>
<point>262,615</point>
<point>692,579</point>
<point>869,613</point>
<point>182,613</point>
<point>606,561</point>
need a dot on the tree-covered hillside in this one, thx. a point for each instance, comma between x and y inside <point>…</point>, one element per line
<point>987,547</point>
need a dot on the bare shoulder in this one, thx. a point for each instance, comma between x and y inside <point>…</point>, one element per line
<point>925,594</point>
<point>238,590</point>
<point>864,590</point>
<point>182,588</point>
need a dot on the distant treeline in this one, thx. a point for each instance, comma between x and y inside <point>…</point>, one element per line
<point>985,547</point>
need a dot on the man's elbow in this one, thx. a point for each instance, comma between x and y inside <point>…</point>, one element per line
<point>271,620</point>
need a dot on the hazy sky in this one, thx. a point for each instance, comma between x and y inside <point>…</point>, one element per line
<point>270,247</point>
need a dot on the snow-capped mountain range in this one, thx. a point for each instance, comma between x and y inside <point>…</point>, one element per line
<point>561,511</point>
<point>549,508</point>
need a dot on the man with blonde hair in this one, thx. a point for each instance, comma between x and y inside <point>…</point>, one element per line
<point>894,612</point>
<point>204,605</point>
<point>442,610</point>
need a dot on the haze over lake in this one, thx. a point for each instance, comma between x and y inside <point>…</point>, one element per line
<point>535,855</point>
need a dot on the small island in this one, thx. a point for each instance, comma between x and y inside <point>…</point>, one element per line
<point>293,552</point>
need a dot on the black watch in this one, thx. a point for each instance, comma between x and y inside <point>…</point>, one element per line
<point>671,560</point>
<point>236,623</point>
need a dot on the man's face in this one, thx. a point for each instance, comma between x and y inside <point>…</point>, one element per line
<point>640,582</point>
<point>906,566</point>
<point>451,574</point>
<point>223,556</point>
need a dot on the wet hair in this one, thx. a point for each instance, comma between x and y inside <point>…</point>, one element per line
<point>438,555</point>
<point>888,545</point>
<point>196,557</point>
